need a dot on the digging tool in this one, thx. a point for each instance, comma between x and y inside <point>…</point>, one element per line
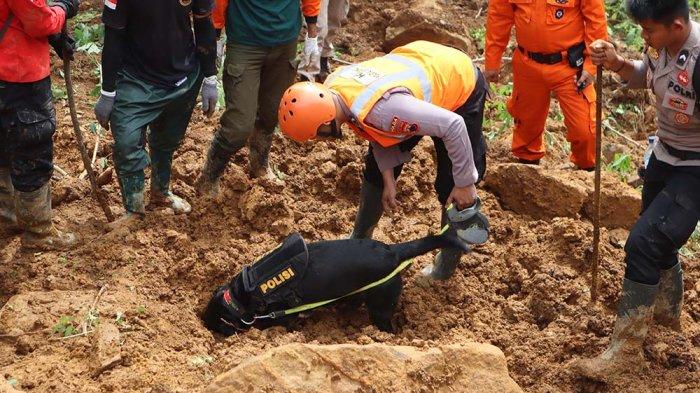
<point>598,163</point>
<point>96,191</point>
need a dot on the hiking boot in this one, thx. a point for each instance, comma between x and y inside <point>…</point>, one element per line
<point>207,184</point>
<point>161,166</point>
<point>33,211</point>
<point>7,203</point>
<point>325,70</point>
<point>370,211</point>
<point>669,301</point>
<point>258,154</point>
<point>132,187</point>
<point>624,353</point>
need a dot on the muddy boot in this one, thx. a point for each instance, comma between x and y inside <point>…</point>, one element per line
<point>624,353</point>
<point>667,307</point>
<point>325,70</point>
<point>207,184</point>
<point>7,204</point>
<point>446,259</point>
<point>370,211</point>
<point>132,187</point>
<point>161,195</point>
<point>258,156</point>
<point>33,211</point>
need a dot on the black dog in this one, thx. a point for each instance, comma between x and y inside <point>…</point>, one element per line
<point>296,276</point>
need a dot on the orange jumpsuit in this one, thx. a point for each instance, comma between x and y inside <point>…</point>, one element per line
<point>547,26</point>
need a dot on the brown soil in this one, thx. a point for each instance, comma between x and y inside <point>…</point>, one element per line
<point>526,291</point>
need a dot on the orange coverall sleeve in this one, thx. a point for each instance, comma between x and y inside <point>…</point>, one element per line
<point>499,23</point>
<point>310,7</point>
<point>596,27</point>
<point>218,16</point>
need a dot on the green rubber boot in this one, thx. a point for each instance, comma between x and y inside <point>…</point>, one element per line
<point>624,353</point>
<point>132,187</point>
<point>207,184</point>
<point>34,213</point>
<point>669,301</point>
<point>161,195</point>
<point>370,211</point>
<point>7,203</point>
<point>446,260</point>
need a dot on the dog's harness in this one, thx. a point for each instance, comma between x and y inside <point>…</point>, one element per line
<point>272,281</point>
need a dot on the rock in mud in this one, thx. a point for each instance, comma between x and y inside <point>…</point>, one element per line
<point>363,368</point>
<point>411,25</point>
<point>106,348</point>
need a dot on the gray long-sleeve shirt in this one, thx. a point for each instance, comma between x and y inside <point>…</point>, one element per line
<point>677,102</point>
<point>398,108</point>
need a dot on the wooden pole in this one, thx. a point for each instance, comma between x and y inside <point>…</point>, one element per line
<point>96,191</point>
<point>598,164</point>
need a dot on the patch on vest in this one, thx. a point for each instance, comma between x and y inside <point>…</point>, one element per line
<point>682,118</point>
<point>679,103</point>
<point>683,57</point>
<point>403,127</point>
<point>363,75</point>
<point>559,13</point>
<point>652,53</point>
<point>683,78</point>
<point>277,280</point>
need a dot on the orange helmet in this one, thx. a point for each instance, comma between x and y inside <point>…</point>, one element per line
<point>305,106</point>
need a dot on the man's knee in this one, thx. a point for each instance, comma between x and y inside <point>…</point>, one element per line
<point>32,161</point>
<point>129,150</point>
<point>642,255</point>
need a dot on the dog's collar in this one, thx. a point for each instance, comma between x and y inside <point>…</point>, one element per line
<point>235,306</point>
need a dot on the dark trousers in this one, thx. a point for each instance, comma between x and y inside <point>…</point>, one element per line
<point>27,125</point>
<point>473,113</point>
<point>670,213</point>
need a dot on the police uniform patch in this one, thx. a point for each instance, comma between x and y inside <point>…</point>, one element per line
<point>682,118</point>
<point>111,4</point>
<point>683,57</point>
<point>683,78</point>
<point>652,53</point>
<point>559,13</point>
<point>399,126</point>
<point>678,103</point>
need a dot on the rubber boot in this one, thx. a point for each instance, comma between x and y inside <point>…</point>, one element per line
<point>132,187</point>
<point>33,211</point>
<point>624,353</point>
<point>325,70</point>
<point>7,204</point>
<point>370,211</point>
<point>258,156</point>
<point>667,308</point>
<point>161,195</point>
<point>207,183</point>
<point>446,259</point>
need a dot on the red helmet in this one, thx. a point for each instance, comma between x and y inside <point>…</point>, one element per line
<point>305,106</point>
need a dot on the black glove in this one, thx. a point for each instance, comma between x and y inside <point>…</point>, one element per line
<point>70,6</point>
<point>62,42</point>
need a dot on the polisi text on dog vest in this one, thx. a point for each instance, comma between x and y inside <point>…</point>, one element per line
<point>277,280</point>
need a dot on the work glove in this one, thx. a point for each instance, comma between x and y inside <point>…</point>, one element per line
<point>309,65</point>
<point>210,95</point>
<point>61,42</point>
<point>70,6</point>
<point>103,108</point>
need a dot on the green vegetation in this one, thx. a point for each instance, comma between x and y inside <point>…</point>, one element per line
<point>65,326</point>
<point>622,165</point>
<point>692,247</point>
<point>497,120</point>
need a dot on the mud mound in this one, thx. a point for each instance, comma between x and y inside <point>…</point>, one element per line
<point>544,194</point>
<point>377,368</point>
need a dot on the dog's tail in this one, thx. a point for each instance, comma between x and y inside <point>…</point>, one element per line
<point>417,247</point>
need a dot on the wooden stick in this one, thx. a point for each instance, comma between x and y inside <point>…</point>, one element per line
<point>92,308</point>
<point>71,336</point>
<point>79,137</point>
<point>60,170</point>
<point>598,164</point>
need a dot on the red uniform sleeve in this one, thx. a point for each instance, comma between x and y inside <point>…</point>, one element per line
<point>595,27</point>
<point>38,19</point>
<point>310,8</point>
<point>498,26</point>
<point>218,16</point>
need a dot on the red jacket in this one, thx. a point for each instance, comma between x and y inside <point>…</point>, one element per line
<point>24,50</point>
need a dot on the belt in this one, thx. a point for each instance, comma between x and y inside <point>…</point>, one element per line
<point>543,58</point>
<point>683,155</point>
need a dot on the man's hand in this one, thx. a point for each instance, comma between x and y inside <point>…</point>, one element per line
<point>210,95</point>
<point>103,108</point>
<point>311,56</point>
<point>463,197</point>
<point>603,52</point>
<point>493,76</point>
<point>312,30</point>
<point>69,6</point>
<point>585,80</point>
<point>61,43</point>
<point>389,190</point>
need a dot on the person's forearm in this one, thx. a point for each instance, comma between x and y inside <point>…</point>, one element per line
<point>625,68</point>
<point>112,57</point>
<point>205,39</point>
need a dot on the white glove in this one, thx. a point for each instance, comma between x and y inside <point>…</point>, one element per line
<point>311,46</point>
<point>309,65</point>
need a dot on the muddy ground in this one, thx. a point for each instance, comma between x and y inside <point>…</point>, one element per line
<point>526,291</point>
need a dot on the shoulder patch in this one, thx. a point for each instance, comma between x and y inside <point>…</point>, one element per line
<point>683,57</point>
<point>652,53</point>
